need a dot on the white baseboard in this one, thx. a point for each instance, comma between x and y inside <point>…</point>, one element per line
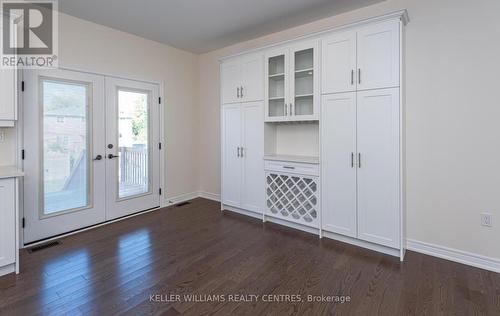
<point>363,244</point>
<point>11,268</point>
<point>242,211</point>
<point>179,198</point>
<point>455,255</point>
<point>209,196</point>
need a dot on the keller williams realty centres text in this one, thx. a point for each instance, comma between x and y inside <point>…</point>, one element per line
<point>243,298</point>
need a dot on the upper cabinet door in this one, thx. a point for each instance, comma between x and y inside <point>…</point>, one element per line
<point>378,56</point>
<point>276,95</point>
<point>339,63</point>
<point>231,81</point>
<point>252,78</point>
<point>8,93</point>
<point>304,90</point>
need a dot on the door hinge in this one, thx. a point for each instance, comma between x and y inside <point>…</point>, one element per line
<point>22,154</point>
<point>22,85</point>
<point>159,191</point>
<point>23,222</point>
<point>159,100</point>
<point>159,146</point>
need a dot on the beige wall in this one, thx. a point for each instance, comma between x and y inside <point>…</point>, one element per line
<point>97,48</point>
<point>92,47</point>
<point>452,117</point>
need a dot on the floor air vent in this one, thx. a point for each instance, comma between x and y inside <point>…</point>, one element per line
<point>43,246</point>
<point>182,204</point>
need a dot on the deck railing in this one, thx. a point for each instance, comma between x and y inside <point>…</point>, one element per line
<point>134,165</point>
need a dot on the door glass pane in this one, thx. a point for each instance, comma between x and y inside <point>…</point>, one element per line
<point>66,176</point>
<point>304,64</point>
<point>133,143</point>
<point>277,86</point>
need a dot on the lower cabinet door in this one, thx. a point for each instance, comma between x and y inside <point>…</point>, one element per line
<point>338,135</point>
<point>7,222</point>
<point>252,152</point>
<point>378,168</point>
<point>231,155</point>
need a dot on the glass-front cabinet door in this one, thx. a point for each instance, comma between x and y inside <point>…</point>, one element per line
<point>292,84</point>
<point>277,86</point>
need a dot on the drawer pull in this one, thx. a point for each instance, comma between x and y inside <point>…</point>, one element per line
<point>288,167</point>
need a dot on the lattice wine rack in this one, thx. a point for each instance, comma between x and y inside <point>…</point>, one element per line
<point>293,198</point>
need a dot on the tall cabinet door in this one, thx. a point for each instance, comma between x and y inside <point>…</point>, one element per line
<point>230,81</point>
<point>338,139</point>
<point>252,153</point>
<point>252,74</point>
<point>378,167</point>
<point>378,56</point>
<point>231,152</point>
<point>339,63</point>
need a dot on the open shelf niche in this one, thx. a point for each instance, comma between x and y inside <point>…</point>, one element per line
<point>292,141</point>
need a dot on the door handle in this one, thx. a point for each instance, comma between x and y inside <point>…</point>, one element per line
<point>359,160</point>
<point>241,152</point>
<point>238,92</point>
<point>352,77</point>
<point>291,109</point>
<point>98,157</point>
<point>241,91</point>
<point>238,151</point>
<point>359,75</point>
<point>111,156</point>
<point>352,160</point>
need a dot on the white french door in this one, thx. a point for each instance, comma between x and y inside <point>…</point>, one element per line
<point>90,150</point>
<point>132,152</point>
<point>64,119</point>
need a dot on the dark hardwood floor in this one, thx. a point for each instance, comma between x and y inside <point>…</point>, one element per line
<point>197,250</point>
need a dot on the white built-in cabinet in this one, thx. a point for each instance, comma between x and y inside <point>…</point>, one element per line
<point>8,97</point>
<point>364,58</point>
<point>292,83</point>
<point>323,151</point>
<point>8,87</point>
<point>241,79</point>
<point>9,220</point>
<point>242,152</point>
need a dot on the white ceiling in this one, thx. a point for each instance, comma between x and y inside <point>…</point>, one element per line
<point>203,25</point>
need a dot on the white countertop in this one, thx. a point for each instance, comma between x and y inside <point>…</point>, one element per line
<point>10,172</point>
<point>289,158</point>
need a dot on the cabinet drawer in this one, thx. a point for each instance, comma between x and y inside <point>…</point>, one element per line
<point>292,167</point>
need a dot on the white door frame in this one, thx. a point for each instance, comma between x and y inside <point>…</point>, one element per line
<point>164,200</point>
